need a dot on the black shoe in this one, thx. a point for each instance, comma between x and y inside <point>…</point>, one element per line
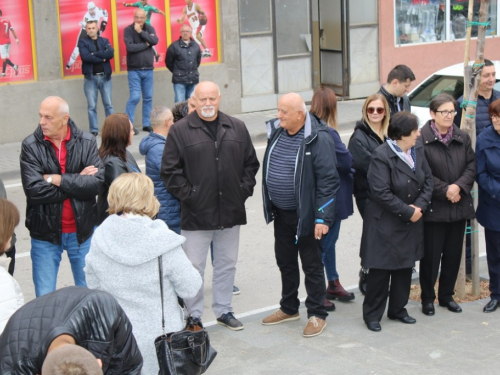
<point>228,320</point>
<point>136,131</point>
<point>95,134</point>
<point>373,326</point>
<point>428,309</point>
<point>363,279</point>
<point>405,319</point>
<point>452,306</point>
<point>491,306</point>
<point>148,129</point>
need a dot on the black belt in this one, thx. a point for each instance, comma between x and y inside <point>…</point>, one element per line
<point>98,74</point>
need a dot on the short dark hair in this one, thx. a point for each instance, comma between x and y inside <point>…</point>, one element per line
<point>488,62</point>
<point>441,99</point>
<point>401,125</point>
<point>401,73</point>
<point>494,108</point>
<point>91,21</point>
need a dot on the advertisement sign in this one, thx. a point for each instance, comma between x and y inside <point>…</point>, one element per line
<point>17,48</point>
<point>73,16</point>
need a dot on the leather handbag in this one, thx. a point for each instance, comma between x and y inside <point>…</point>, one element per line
<point>187,352</point>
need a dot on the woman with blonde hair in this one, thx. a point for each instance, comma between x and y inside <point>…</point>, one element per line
<point>123,260</point>
<point>11,297</point>
<point>324,106</point>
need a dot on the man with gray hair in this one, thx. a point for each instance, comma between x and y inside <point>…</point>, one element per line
<point>152,147</point>
<point>61,174</point>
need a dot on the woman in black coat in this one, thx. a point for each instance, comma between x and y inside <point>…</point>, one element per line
<point>117,135</point>
<point>450,156</point>
<point>400,182</point>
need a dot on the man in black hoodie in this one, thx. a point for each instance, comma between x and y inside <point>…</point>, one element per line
<point>398,82</point>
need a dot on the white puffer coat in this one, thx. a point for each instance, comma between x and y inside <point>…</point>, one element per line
<point>11,297</point>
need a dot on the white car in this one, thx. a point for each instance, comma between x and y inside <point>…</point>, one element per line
<point>449,80</point>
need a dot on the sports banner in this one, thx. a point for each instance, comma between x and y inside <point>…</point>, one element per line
<point>17,47</point>
<point>73,16</point>
<point>202,15</point>
<point>155,16</point>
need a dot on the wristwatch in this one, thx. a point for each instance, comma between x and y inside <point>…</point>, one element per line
<point>49,179</point>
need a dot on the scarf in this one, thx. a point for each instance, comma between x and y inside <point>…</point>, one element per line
<point>409,157</point>
<point>445,138</point>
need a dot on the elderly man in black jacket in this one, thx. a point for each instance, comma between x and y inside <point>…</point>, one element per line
<point>183,60</point>
<point>299,184</point>
<point>73,316</point>
<point>209,164</point>
<point>61,174</point>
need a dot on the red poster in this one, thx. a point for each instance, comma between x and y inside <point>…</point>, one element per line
<point>155,13</point>
<point>202,16</point>
<point>73,15</point>
<point>16,42</point>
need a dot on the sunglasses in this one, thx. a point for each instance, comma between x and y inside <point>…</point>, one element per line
<point>372,110</point>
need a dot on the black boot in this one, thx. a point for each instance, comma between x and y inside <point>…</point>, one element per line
<point>363,279</point>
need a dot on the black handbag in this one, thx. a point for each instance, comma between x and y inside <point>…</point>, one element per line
<point>187,352</point>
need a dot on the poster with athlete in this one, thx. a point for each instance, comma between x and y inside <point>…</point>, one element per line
<point>202,16</point>
<point>73,17</point>
<point>17,47</point>
<point>155,16</point>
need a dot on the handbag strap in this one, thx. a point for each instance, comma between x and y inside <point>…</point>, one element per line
<point>160,273</point>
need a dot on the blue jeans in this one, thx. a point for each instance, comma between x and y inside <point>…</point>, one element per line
<point>140,81</point>
<point>328,244</point>
<point>46,257</point>
<point>91,86</point>
<point>183,91</point>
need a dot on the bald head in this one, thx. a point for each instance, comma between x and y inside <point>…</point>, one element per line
<point>139,17</point>
<point>207,99</point>
<point>292,112</point>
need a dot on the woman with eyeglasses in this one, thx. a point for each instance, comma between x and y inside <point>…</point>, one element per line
<point>488,209</point>
<point>369,133</point>
<point>449,153</point>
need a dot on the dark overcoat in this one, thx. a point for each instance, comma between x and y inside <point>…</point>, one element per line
<point>390,240</point>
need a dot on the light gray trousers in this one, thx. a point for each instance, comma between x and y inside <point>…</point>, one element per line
<point>196,247</point>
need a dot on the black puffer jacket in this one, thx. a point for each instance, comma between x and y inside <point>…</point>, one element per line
<point>361,146</point>
<point>93,318</point>
<point>452,164</point>
<point>44,200</point>
<point>392,100</point>
<point>183,60</point>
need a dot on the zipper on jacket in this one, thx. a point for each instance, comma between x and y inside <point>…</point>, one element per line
<point>325,205</point>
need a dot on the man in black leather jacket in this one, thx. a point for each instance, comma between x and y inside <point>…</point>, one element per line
<point>88,318</point>
<point>398,82</point>
<point>61,174</point>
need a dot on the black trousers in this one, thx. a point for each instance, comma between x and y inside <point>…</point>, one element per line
<point>377,292</point>
<point>287,250</point>
<point>443,244</point>
<point>361,204</point>
<point>493,257</point>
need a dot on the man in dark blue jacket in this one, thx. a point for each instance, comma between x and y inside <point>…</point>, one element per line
<point>183,60</point>
<point>299,186</point>
<point>96,52</point>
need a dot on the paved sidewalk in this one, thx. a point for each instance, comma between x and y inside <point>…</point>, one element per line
<point>348,113</point>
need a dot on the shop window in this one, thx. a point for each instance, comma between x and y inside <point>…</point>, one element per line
<point>292,27</point>
<point>255,16</point>
<point>424,21</point>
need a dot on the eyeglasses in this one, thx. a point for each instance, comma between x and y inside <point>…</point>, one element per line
<point>447,113</point>
<point>371,110</point>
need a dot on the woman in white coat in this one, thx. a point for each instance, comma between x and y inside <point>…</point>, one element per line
<point>123,261</point>
<point>11,296</point>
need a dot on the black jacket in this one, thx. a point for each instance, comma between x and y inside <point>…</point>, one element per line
<point>211,178</point>
<point>91,56</point>
<point>140,55</point>
<point>393,101</point>
<point>361,146</point>
<point>316,177</point>
<point>390,240</point>
<point>113,167</point>
<point>183,60</point>
<point>452,164</point>
<point>44,200</point>
<point>93,318</point>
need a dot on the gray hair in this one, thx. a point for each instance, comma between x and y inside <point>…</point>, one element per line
<point>159,114</point>
<point>63,105</point>
<point>71,359</point>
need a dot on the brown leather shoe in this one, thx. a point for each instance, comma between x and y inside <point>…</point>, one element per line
<point>314,326</point>
<point>329,305</point>
<point>278,317</point>
<point>336,291</point>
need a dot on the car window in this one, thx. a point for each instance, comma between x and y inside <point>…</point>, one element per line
<point>435,85</point>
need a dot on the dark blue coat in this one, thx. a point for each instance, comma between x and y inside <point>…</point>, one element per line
<point>170,210</point>
<point>91,56</point>
<point>482,116</point>
<point>488,178</point>
<point>344,207</point>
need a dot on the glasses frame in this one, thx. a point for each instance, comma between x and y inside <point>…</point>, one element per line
<point>372,110</point>
<point>447,113</point>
